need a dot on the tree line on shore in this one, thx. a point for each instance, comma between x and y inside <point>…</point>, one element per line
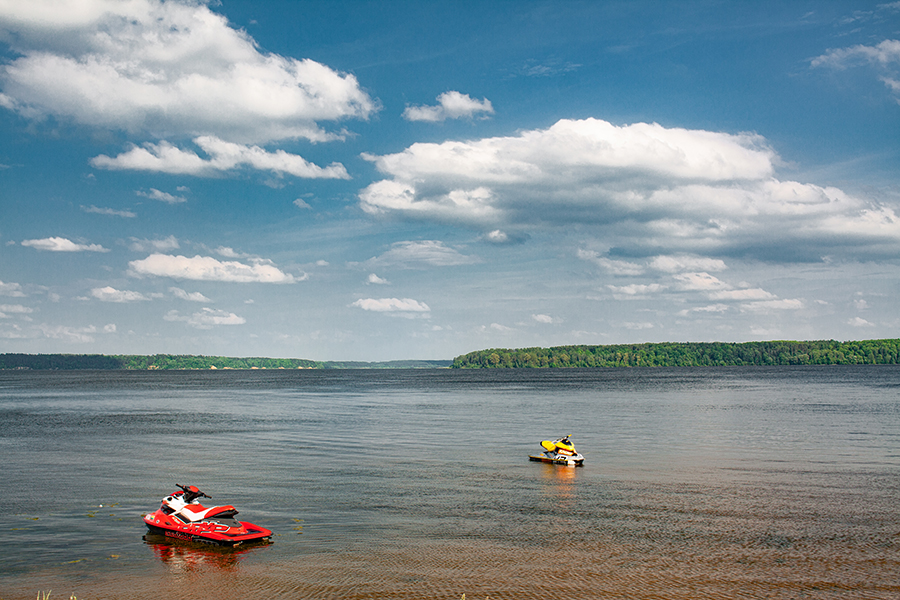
<point>66,362</point>
<point>688,354</point>
<point>663,354</point>
<point>171,362</point>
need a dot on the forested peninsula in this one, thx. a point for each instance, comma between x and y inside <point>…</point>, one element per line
<point>688,354</point>
<point>67,362</point>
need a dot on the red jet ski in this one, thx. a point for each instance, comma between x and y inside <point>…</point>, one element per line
<point>181,516</point>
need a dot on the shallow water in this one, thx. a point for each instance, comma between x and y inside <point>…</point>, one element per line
<point>698,483</point>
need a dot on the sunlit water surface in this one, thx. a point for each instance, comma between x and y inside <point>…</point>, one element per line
<point>698,483</point>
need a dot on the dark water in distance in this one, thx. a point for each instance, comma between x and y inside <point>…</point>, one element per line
<point>744,482</point>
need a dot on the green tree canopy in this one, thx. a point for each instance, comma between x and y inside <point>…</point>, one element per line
<point>688,354</point>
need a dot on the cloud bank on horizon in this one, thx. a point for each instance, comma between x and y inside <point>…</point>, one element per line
<point>491,223</point>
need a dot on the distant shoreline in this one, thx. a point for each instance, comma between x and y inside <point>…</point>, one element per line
<point>187,362</point>
<point>659,354</point>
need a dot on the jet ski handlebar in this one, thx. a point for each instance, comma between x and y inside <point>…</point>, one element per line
<point>191,492</point>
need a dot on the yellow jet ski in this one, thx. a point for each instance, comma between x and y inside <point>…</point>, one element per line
<point>559,452</point>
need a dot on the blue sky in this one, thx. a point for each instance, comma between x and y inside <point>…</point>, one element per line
<point>390,180</point>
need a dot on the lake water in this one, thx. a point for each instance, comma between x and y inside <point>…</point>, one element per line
<point>415,484</point>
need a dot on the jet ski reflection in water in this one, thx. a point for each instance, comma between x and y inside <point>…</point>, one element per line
<point>180,557</point>
<point>559,452</point>
<point>181,516</point>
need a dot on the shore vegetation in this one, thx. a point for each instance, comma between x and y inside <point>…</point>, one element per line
<point>169,362</point>
<point>656,354</point>
<point>688,354</point>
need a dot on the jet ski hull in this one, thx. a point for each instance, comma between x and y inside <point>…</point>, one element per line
<point>559,459</point>
<point>208,531</point>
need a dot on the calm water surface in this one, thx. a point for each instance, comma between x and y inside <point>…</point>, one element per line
<point>698,483</point>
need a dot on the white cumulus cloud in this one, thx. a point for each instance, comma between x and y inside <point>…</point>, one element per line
<point>587,169</point>
<point>110,294</point>
<point>163,245</point>
<point>155,194</point>
<point>712,308</point>
<point>690,194</point>
<point>206,268</point>
<point>701,281</point>
<point>14,309</point>
<point>663,263</point>
<point>154,66</point>
<point>885,53</point>
<point>859,322</point>
<point>207,318</point>
<point>13,290</point>
<point>189,296</point>
<point>451,105</point>
<point>108,211</point>
<point>403,305</point>
<point>679,264</point>
<point>884,57</point>
<point>767,306</point>
<point>223,156</point>
<point>426,253</point>
<point>616,267</point>
<point>497,236</point>
<point>229,252</point>
<point>68,333</point>
<point>60,244</point>
<point>743,294</point>
<point>636,290</point>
